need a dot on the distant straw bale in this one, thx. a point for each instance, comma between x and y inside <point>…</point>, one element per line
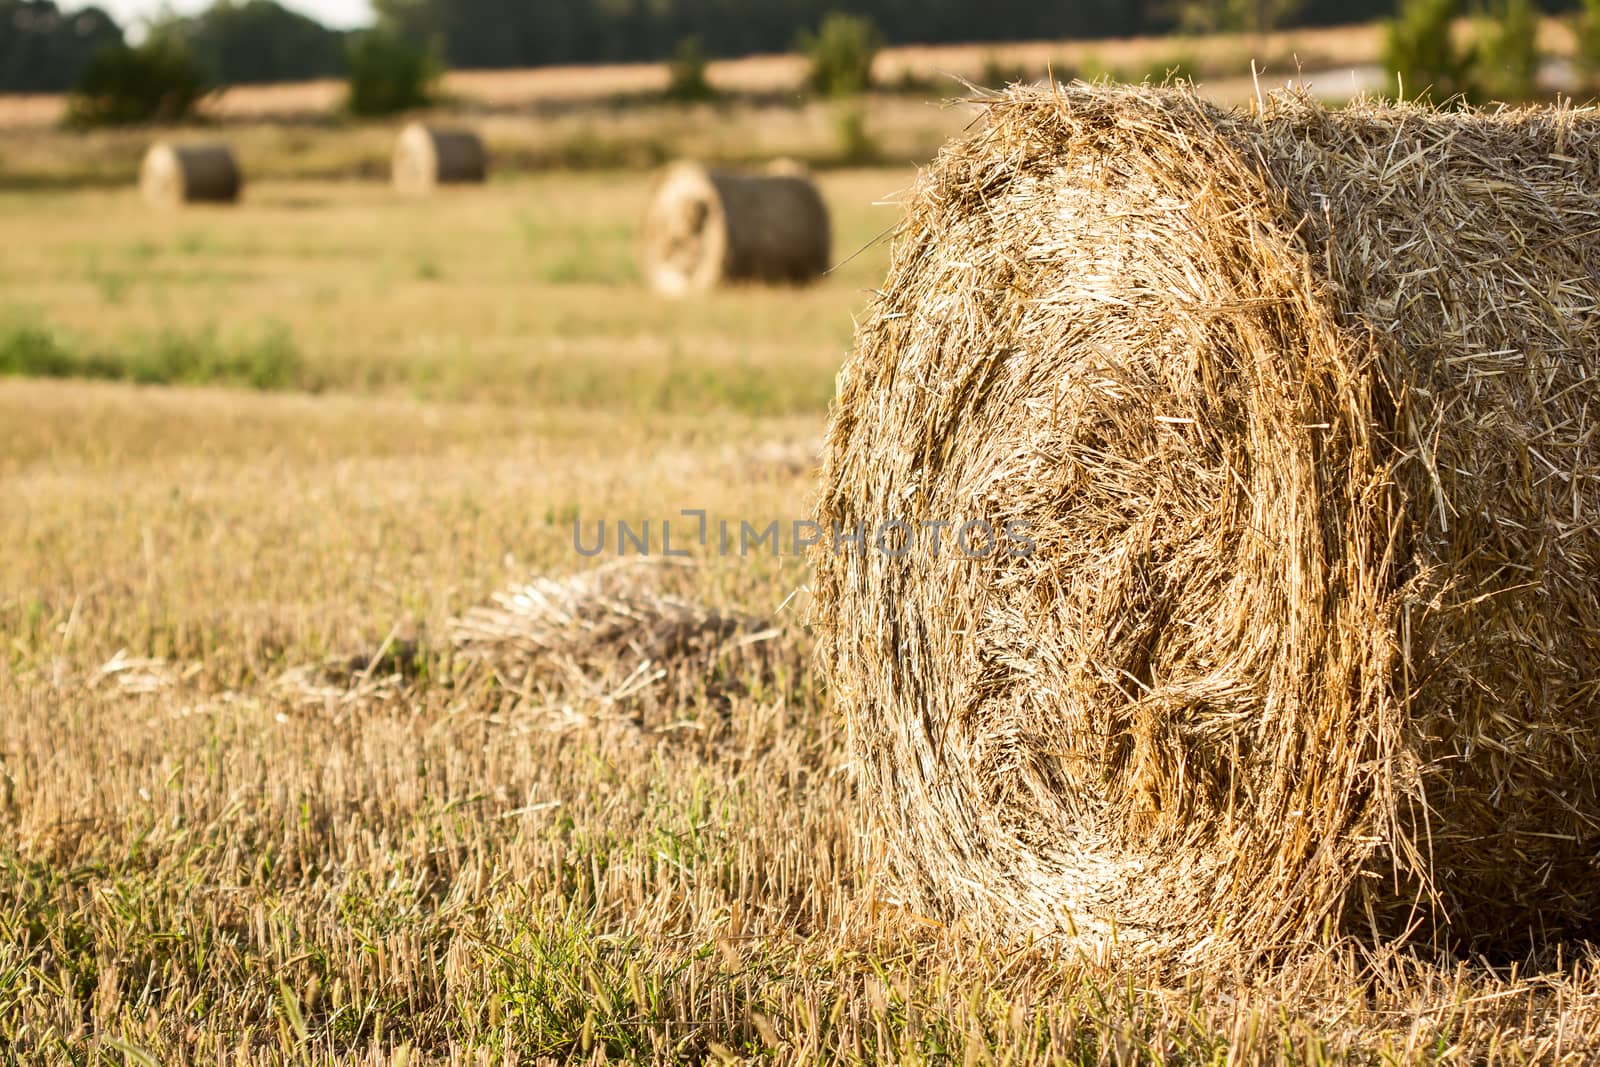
<point>708,228</point>
<point>175,174</point>
<point>1299,414</point>
<point>429,156</point>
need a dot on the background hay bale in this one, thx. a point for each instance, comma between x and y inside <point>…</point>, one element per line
<point>429,156</point>
<point>1300,410</point>
<point>707,228</point>
<point>175,174</point>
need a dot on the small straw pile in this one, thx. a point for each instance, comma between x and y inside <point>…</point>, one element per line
<point>708,228</point>
<point>1295,416</point>
<point>610,641</point>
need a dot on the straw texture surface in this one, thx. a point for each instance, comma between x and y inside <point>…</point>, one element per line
<point>1299,411</point>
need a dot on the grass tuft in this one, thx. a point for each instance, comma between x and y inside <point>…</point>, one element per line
<point>266,360</point>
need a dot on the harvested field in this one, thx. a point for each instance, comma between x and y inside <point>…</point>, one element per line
<point>210,858</point>
<point>521,292</point>
<point>320,743</point>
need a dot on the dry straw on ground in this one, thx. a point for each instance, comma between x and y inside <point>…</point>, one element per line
<point>1301,407</point>
<point>614,642</point>
<point>175,174</point>
<point>429,156</point>
<point>708,228</point>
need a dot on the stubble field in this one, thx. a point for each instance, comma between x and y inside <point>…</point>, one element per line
<point>261,801</point>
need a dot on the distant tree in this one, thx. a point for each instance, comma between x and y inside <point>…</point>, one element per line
<point>43,50</point>
<point>686,75</point>
<point>1508,54</point>
<point>389,73</point>
<point>1588,27</point>
<point>417,19</point>
<point>1235,16</point>
<point>159,81</point>
<point>510,33</point>
<point>514,33</point>
<point>840,54</point>
<point>486,33</point>
<point>250,41</point>
<point>1419,47</point>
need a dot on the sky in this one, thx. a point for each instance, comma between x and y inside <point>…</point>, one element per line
<point>341,13</point>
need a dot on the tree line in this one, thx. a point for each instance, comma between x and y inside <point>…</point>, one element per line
<point>520,33</point>
<point>45,48</point>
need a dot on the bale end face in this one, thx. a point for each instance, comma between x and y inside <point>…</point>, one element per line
<point>1303,622</point>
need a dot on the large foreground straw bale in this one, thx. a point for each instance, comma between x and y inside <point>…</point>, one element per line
<point>708,228</point>
<point>428,156</point>
<point>175,174</point>
<point>1300,414</point>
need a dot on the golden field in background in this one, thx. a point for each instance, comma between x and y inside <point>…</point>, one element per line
<point>255,807</point>
<point>525,292</point>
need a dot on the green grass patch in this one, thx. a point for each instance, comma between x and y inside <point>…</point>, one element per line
<point>266,359</point>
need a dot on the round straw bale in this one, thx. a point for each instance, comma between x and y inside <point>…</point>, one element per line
<point>1287,429</point>
<point>706,228</point>
<point>428,156</point>
<point>175,174</point>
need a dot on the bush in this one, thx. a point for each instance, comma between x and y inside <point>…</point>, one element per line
<point>269,359</point>
<point>1161,70</point>
<point>841,54</point>
<point>159,81</point>
<point>856,145</point>
<point>1589,44</point>
<point>1089,68</point>
<point>32,352</point>
<point>997,73</point>
<point>389,74</point>
<point>686,75</point>
<point>1419,48</point>
<point>1508,53</point>
<point>1234,16</point>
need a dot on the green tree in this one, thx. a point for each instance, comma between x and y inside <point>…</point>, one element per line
<point>159,81</point>
<point>389,74</point>
<point>1418,46</point>
<point>247,41</point>
<point>1588,27</point>
<point>44,50</point>
<point>518,33</point>
<point>1235,16</point>
<point>840,54</point>
<point>1508,53</point>
<point>686,75</point>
